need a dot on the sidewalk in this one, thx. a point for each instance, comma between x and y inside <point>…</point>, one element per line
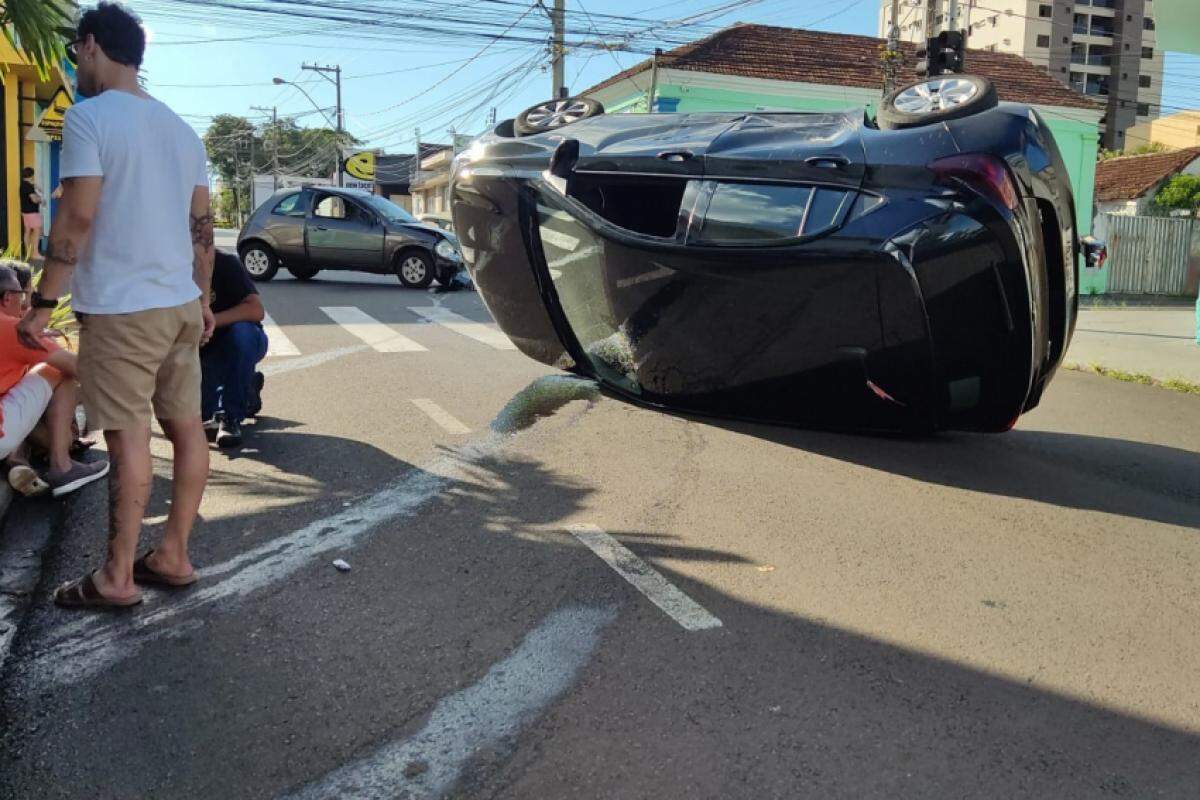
<point>1159,341</point>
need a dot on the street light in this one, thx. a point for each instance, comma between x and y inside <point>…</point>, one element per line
<point>281,82</point>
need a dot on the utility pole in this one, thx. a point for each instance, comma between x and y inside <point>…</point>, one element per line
<point>336,80</point>
<point>931,26</point>
<point>274,144</point>
<point>654,80</point>
<point>952,16</point>
<point>557,48</point>
<point>892,56</point>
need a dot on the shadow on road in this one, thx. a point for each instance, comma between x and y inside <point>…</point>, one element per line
<point>1095,473</point>
<point>277,686</point>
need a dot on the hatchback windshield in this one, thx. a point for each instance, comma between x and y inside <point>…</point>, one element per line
<point>388,210</point>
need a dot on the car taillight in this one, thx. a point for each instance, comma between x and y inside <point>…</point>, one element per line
<point>986,173</point>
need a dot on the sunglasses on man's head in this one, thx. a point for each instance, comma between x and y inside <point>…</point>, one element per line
<point>72,54</point>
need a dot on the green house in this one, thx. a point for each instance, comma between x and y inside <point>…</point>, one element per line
<point>764,68</point>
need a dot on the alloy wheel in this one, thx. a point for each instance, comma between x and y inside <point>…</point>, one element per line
<point>938,94</point>
<point>412,269</point>
<point>556,113</point>
<point>257,262</point>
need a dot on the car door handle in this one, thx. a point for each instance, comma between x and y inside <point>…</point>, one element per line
<point>320,228</point>
<point>827,161</point>
<point>676,156</point>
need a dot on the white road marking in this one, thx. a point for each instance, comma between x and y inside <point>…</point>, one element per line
<point>461,325</point>
<point>88,644</point>
<point>278,344</point>
<point>664,594</point>
<point>314,360</point>
<point>652,275</point>
<point>362,325</point>
<point>558,239</point>
<point>483,715</point>
<point>441,416</point>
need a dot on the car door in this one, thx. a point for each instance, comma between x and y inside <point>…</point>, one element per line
<point>341,234</point>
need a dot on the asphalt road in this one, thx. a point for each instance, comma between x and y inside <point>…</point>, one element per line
<point>555,594</point>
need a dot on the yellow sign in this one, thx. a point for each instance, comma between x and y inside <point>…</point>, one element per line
<point>50,123</point>
<point>361,166</point>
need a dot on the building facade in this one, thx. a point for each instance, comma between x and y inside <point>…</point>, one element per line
<point>31,112</point>
<point>1102,48</point>
<point>1175,131</point>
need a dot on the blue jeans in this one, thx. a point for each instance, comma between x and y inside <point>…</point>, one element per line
<point>227,363</point>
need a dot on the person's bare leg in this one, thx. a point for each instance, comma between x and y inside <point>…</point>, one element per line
<point>32,237</point>
<point>190,475</point>
<point>128,495</point>
<point>58,418</point>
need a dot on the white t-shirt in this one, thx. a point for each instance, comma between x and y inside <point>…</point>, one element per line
<point>139,255</point>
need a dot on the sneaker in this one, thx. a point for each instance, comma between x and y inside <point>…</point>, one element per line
<point>78,476</point>
<point>230,434</point>
<point>26,482</point>
<point>210,429</point>
<point>254,402</point>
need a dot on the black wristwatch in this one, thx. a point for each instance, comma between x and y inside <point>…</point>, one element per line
<point>37,301</point>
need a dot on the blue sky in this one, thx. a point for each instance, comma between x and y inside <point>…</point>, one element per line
<point>391,88</point>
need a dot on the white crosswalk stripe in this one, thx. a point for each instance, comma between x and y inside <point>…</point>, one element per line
<point>440,415</point>
<point>370,330</point>
<point>478,331</point>
<point>278,344</point>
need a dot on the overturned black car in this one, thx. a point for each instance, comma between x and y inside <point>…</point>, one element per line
<point>915,272</point>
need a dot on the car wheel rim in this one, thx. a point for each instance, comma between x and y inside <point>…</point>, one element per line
<point>556,113</point>
<point>940,94</point>
<point>257,263</point>
<point>413,270</point>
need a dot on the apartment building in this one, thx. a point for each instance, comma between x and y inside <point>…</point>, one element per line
<point>1103,48</point>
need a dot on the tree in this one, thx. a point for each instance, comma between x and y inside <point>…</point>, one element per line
<point>38,28</point>
<point>1181,192</point>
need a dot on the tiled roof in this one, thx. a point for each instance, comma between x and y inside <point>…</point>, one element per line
<point>1129,177</point>
<point>839,59</point>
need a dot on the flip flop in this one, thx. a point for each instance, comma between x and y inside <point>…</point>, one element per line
<point>83,593</point>
<point>145,574</point>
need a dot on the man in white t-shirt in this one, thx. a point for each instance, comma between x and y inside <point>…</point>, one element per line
<point>133,238</point>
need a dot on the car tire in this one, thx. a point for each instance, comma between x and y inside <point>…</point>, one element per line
<point>260,261</point>
<point>414,268</point>
<point>934,100</point>
<point>303,273</point>
<point>554,114</point>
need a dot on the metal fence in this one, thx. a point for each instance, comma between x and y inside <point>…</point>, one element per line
<point>1151,255</point>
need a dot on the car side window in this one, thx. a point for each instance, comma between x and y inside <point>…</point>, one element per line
<point>291,206</point>
<point>331,207</point>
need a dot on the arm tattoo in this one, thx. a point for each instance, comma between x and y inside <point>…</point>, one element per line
<point>202,230</point>
<point>62,252</point>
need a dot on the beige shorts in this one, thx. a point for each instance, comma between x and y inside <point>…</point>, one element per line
<point>133,365</point>
<point>21,408</point>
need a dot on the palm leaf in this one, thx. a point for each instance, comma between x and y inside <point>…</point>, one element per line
<point>38,28</point>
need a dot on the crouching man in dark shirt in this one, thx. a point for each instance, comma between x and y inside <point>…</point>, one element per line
<point>231,388</point>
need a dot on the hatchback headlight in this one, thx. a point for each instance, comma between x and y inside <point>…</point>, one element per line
<point>447,250</point>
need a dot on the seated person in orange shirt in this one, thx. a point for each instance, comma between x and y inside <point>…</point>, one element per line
<point>38,386</point>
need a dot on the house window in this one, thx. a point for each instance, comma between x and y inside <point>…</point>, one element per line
<point>1143,109</point>
<point>1148,23</point>
<point>1043,41</point>
<point>938,20</point>
<point>1147,52</point>
<point>1144,81</point>
<point>1044,10</point>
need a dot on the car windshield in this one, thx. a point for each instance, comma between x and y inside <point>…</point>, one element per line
<point>389,210</point>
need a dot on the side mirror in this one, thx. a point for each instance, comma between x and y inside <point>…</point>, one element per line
<point>1095,252</point>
